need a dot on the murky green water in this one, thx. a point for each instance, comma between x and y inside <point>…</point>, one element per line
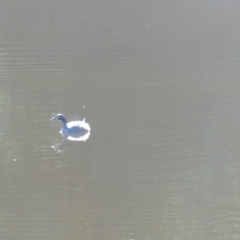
<point>159,84</point>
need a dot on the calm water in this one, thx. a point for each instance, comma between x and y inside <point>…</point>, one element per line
<point>159,84</point>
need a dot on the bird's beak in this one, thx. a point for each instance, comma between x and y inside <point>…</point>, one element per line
<point>52,118</point>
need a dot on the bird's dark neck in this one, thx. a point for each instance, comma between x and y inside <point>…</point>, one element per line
<point>64,121</point>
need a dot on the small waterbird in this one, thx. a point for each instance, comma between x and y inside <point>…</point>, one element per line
<point>72,127</point>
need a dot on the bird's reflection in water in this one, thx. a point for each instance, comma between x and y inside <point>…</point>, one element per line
<point>77,137</point>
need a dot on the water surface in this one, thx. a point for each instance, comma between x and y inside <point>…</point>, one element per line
<point>159,84</point>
